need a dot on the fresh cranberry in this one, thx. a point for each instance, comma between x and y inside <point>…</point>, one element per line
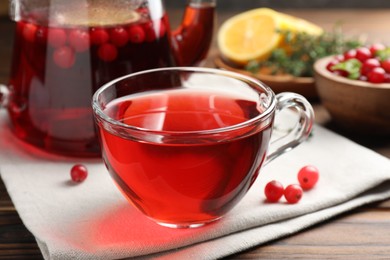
<point>376,75</point>
<point>64,57</point>
<point>136,34</point>
<point>351,54</point>
<point>273,191</point>
<point>369,64</point>
<point>363,53</point>
<point>331,64</point>
<point>57,37</point>
<point>150,34</point>
<point>29,32</point>
<point>374,48</point>
<point>308,177</point>
<point>78,173</point>
<point>143,11</point>
<point>119,36</point>
<point>387,78</point>
<point>293,193</point>
<point>99,36</point>
<point>342,73</point>
<point>154,30</point>
<point>79,40</point>
<point>107,52</point>
<point>386,65</point>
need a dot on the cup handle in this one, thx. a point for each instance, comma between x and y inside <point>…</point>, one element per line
<point>4,95</point>
<point>302,129</point>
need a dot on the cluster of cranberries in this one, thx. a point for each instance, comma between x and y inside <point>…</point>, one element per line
<point>371,64</point>
<point>307,178</point>
<point>67,42</point>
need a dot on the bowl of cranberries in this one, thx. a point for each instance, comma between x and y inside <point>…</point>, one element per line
<point>355,88</point>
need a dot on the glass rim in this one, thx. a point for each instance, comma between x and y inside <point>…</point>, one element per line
<point>98,112</point>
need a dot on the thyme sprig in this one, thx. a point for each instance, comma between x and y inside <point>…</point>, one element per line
<point>300,51</point>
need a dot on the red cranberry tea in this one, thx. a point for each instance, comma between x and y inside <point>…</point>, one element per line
<point>63,55</point>
<point>194,181</point>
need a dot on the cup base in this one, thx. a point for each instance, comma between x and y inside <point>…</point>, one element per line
<point>186,225</point>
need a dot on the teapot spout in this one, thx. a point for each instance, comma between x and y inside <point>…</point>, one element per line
<point>192,39</point>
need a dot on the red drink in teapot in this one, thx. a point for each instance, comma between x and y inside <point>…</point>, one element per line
<point>63,53</point>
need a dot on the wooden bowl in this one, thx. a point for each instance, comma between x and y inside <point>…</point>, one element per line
<point>280,83</point>
<point>357,106</point>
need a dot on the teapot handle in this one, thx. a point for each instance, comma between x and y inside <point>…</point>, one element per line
<point>4,96</point>
<point>192,39</point>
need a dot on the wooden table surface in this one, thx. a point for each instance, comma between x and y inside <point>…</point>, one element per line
<point>363,233</point>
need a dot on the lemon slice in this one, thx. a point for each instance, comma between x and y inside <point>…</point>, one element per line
<point>249,35</point>
<point>252,35</point>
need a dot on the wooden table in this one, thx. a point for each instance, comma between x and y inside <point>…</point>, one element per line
<point>363,233</point>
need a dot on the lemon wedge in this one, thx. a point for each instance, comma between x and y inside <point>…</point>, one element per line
<point>252,35</point>
<point>296,24</point>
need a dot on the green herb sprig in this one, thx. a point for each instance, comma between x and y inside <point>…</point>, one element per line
<point>304,50</point>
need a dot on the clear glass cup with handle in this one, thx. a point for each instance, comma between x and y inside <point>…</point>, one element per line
<point>184,145</point>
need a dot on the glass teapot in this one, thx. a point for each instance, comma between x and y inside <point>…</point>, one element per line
<point>64,50</point>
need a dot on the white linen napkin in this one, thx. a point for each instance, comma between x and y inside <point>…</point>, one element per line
<point>92,220</point>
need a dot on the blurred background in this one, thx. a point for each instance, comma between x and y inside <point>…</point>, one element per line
<point>245,4</point>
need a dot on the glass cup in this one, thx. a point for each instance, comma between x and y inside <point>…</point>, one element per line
<point>184,145</point>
